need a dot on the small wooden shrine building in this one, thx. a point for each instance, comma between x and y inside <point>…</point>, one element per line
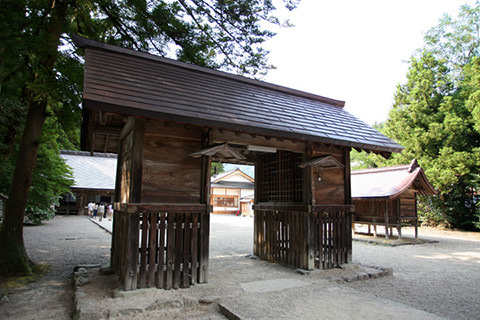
<point>388,196</point>
<point>168,120</point>
<point>231,193</point>
<point>93,180</point>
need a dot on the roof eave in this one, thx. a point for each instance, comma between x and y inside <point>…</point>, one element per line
<point>384,150</point>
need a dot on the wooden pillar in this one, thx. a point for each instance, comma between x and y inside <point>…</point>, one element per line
<point>134,132</point>
<point>309,218</point>
<point>205,217</point>
<point>131,252</point>
<point>348,201</point>
<point>386,218</point>
<point>256,213</point>
<point>416,217</point>
<point>137,162</point>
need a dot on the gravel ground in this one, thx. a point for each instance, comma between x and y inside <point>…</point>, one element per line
<point>62,243</point>
<point>442,278</point>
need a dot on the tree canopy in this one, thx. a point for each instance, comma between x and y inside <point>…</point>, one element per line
<point>435,117</point>
<point>41,78</point>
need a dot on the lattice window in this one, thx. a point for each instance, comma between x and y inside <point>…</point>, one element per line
<point>225,201</point>
<point>281,178</point>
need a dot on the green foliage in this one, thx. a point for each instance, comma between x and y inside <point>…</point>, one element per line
<point>456,40</point>
<point>436,116</point>
<point>226,34</point>
<point>51,179</point>
<point>217,168</point>
<point>217,34</point>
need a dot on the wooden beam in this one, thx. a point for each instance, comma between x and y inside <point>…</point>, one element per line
<point>137,161</point>
<point>233,137</point>
<point>325,162</point>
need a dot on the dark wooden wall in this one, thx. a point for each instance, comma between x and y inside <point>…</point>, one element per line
<point>129,166</point>
<point>169,174</point>
<point>405,206</point>
<point>374,210</point>
<point>408,204</point>
<point>331,190</point>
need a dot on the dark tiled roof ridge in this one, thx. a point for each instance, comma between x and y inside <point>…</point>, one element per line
<point>89,43</point>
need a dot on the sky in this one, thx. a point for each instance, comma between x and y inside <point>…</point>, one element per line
<point>354,51</point>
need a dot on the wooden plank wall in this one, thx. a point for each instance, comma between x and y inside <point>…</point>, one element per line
<point>128,182</point>
<point>169,174</point>
<point>161,224</point>
<point>374,210</point>
<point>408,204</point>
<point>331,188</point>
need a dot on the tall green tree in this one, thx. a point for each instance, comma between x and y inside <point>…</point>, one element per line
<point>435,117</point>
<point>431,119</point>
<point>39,70</point>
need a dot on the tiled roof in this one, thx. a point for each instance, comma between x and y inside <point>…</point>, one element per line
<point>234,185</point>
<point>129,82</point>
<point>389,182</point>
<point>92,172</point>
<point>226,174</point>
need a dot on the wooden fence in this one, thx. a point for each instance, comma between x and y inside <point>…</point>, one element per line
<point>303,237</point>
<point>160,245</point>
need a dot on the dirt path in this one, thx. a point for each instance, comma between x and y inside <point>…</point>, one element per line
<point>62,243</point>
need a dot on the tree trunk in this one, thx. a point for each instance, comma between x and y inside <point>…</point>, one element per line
<point>13,256</point>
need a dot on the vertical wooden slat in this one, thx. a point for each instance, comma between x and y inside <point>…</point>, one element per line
<point>290,258</point>
<point>152,249</point>
<point>338,239</point>
<point>178,250</point>
<point>143,250</point>
<point>194,248</point>
<point>170,249</point>
<point>161,252</point>
<point>310,225</point>
<point>330,241</point>
<point>131,252</point>
<point>386,219</point>
<point>186,251</point>
<point>204,243</point>
<point>320,240</point>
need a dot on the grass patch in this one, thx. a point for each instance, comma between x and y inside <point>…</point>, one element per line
<point>16,282</point>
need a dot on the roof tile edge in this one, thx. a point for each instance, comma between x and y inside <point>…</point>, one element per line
<point>88,154</point>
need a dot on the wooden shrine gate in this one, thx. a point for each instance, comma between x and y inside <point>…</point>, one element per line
<point>168,120</point>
